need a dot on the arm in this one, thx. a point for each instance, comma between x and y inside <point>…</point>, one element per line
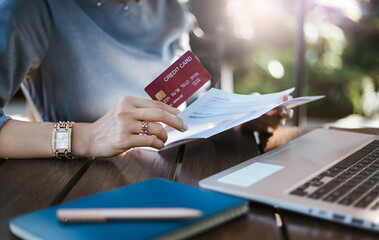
<point>117,131</point>
<point>24,31</point>
<point>25,139</point>
<point>24,35</point>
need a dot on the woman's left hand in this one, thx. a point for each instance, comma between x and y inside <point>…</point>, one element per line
<point>270,121</point>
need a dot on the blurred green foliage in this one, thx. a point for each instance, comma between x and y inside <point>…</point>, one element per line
<point>341,55</point>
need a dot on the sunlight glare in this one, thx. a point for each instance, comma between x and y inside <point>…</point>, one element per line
<point>311,32</point>
<point>350,8</point>
<point>276,69</point>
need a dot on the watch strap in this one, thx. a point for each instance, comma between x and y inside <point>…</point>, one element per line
<point>62,126</point>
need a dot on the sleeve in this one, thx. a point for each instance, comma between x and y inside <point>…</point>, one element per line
<point>3,119</point>
<point>24,34</point>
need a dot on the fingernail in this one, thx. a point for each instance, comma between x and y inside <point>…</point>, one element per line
<point>283,112</point>
<point>270,130</point>
<point>185,127</point>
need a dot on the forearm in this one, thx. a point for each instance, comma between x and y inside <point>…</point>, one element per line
<point>116,132</point>
<point>20,139</point>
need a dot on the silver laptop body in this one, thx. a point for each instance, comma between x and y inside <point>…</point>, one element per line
<point>292,177</point>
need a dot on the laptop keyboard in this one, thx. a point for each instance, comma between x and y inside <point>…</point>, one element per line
<point>354,181</point>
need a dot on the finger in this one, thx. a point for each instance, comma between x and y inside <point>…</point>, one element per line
<point>145,141</point>
<point>270,121</point>
<point>257,125</point>
<point>147,103</point>
<point>286,98</point>
<point>160,115</point>
<point>285,113</point>
<point>152,129</point>
<point>290,114</point>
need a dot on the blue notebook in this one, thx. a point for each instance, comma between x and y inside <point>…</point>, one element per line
<point>217,208</point>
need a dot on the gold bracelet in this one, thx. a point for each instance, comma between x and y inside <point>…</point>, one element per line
<point>61,140</point>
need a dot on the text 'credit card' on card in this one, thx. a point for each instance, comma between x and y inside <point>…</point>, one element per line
<point>179,81</point>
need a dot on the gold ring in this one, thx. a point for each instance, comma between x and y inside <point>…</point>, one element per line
<point>144,128</point>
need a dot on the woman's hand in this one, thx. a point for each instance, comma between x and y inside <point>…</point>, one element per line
<point>270,121</point>
<point>120,128</point>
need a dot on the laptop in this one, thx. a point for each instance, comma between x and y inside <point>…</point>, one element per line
<point>330,174</point>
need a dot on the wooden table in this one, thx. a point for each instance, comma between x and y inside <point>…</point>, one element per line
<point>29,185</point>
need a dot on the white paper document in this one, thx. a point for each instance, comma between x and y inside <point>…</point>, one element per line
<point>217,111</point>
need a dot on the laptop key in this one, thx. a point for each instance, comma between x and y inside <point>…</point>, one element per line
<point>350,160</point>
<point>298,192</point>
<point>324,190</point>
<point>366,200</point>
<point>359,169</point>
<point>316,183</point>
<point>329,173</point>
<point>342,178</point>
<point>355,181</point>
<point>356,194</point>
<point>339,192</point>
<point>352,197</point>
<point>336,169</point>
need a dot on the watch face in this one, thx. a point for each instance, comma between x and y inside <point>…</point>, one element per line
<point>61,140</point>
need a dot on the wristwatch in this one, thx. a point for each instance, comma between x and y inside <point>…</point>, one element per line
<point>61,140</point>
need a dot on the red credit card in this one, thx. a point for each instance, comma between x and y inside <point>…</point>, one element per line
<point>179,81</point>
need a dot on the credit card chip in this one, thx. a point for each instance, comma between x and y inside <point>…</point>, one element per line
<point>160,95</point>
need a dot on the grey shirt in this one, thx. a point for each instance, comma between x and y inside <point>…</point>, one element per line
<point>76,60</point>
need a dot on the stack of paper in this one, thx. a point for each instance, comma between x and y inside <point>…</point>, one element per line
<point>217,111</point>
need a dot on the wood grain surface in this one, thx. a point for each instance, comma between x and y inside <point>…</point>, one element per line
<point>30,185</point>
<point>205,157</point>
<point>134,166</point>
